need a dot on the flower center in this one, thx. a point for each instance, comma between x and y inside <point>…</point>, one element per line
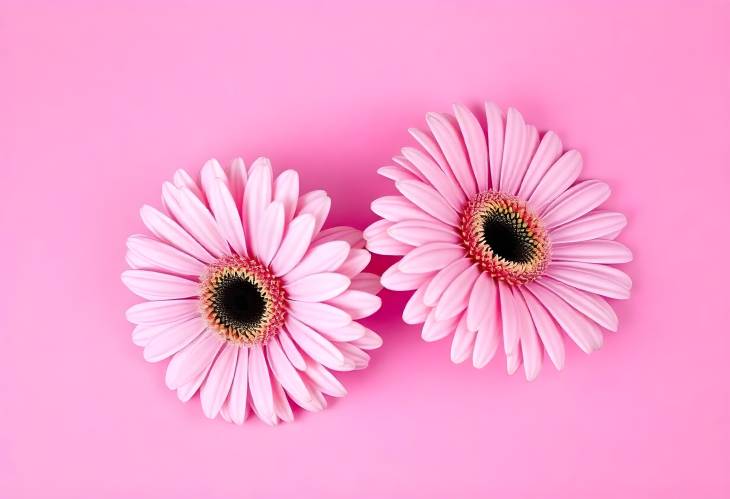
<point>242,300</point>
<point>504,237</point>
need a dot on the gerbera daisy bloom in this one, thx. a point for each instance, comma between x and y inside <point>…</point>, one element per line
<point>500,241</point>
<point>255,303</point>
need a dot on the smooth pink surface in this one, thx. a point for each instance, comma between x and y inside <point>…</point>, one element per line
<point>100,104</point>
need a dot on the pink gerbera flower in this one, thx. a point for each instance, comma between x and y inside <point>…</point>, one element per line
<point>500,241</point>
<point>255,304</point>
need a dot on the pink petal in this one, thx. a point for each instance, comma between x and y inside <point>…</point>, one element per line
<point>433,174</point>
<point>237,177</point>
<point>319,315</point>
<point>173,338</point>
<point>186,391</point>
<point>367,282</point>
<point>514,142</point>
<point>376,229</point>
<point>168,230</point>
<point>318,206</point>
<point>156,286</point>
<point>354,357</point>
<point>317,287</point>
<point>592,277</point>
<point>434,329</point>
<point>531,349</point>
<point>356,262</point>
<point>488,334</point>
<point>463,343</point>
<point>483,293</point>
<point>162,312</point>
<point>291,350</point>
<point>143,333</point>
<point>415,311</point>
<point>181,178</point>
<point>476,145</point>
<point>595,251</point>
<point>456,296</point>
<point>227,216</point>
<point>314,344</point>
<point>256,197</point>
<point>369,341</point>
<point>547,153</point>
<point>450,143</point>
<point>442,279</point>
<point>164,257</point>
<point>583,332</point>
<point>495,141</point>
<point>294,245</point>
<point>546,329</point>
<point>510,319</point>
<point>594,225</point>
<point>259,383</point>
<point>396,173</point>
<point>419,232</point>
<point>407,166</point>
<point>396,280</point>
<point>379,241</point>
<point>431,148</point>
<point>218,384</point>
<point>326,257</point>
<point>285,372</point>
<point>397,208</point>
<point>269,234</point>
<point>430,257</point>
<point>209,174</point>
<point>281,403</point>
<point>193,359</point>
<point>595,307</point>
<point>286,191</point>
<point>556,180</point>
<point>238,396</point>
<point>196,218</point>
<point>351,236</point>
<point>325,380</point>
<point>357,304</point>
<point>353,331</point>
<point>576,201</point>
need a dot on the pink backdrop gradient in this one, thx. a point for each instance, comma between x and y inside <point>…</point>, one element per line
<point>100,104</point>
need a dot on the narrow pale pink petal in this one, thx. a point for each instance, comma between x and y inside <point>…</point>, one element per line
<point>354,356</point>
<point>396,280</point>
<point>582,331</point>
<point>556,180</point>
<point>353,331</point>
<point>325,380</point>
<point>314,344</point>
<point>595,251</point>
<point>173,338</point>
<point>164,257</point>
<point>406,165</point>
<point>547,153</point>
<point>317,287</point>
<point>355,263</point>
<point>285,373</point>
<point>357,304</point>
<point>430,257</point>
<point>286,191</point>
<point>142,334</point>
<point>443,279</point>
<point>211,172</point>
<point>282,408</point>
<point>326,257</point>
<point>369,341</point>
<point>157,286</point>
<point>416,311</point>
<point>367,282</point>
<point>259,382</point>
<point>510,319</point>
<point>456,296</point>
<point>226,215</point>
<point>181,178</point>
<point>377,228</point>
<point>191,360</point>
<point>319,315</point>
<point>431,147</point>
<point>595,225</point>
<point>196,218</point>
<point>419,232</point>
<point>434,329</point>
<point>256,196</point>
<point>603,280</point>
<point>267,238</point>
<point>529,341</point>
<point>489,333</point>
<point>575,202</point>
<point>168,230</point>
<point>515,137</point>
<point>384,244</point>
<point>483,293</point>
<point>396,173</point>
<point>351,236</point>
<point>476,145</point>
<point>450,144</point>
<point>185,392</point>
<point>291,350</point>
<point>238,396</point>
<point>162,312</point>
<point>445,184</point>
<point>318,402</point>
<point>463,343</point>
<point>593,306</point>
<point>546,329</point>
<point>218,384</point>
<point>237,177</point>
<point>398,208</point>
<point>319,207</point>
<point>294,245</point>
<point>495,141</point>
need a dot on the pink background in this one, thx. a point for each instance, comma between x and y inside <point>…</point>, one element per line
<point>100,104</point>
